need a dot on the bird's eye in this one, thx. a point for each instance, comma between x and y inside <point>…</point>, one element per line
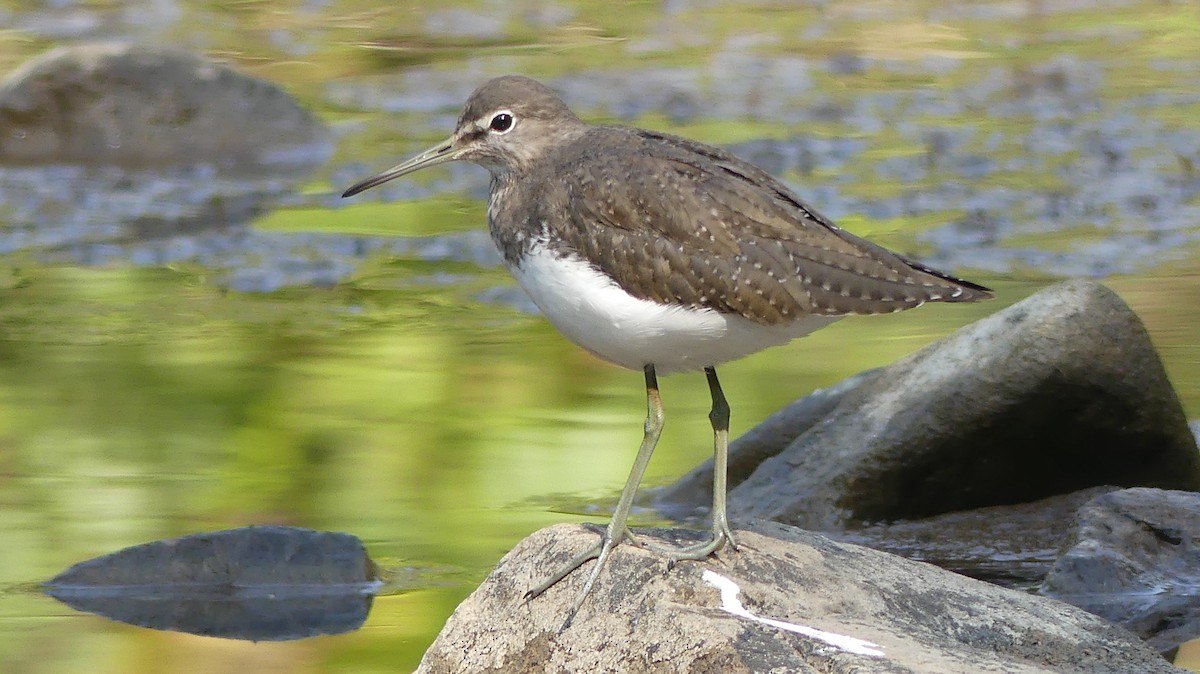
<point>502,122</point>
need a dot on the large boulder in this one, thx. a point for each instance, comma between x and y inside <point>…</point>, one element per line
<point>1136,561</point>
<point>135,105</point>
<point>1057,393</point>
<point>788,601</point>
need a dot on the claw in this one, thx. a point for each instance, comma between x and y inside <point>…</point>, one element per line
<point>599,552</point>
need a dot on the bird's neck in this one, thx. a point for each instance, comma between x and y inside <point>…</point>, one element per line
<point>510,232</point>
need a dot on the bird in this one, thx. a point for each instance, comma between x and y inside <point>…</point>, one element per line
<point>662,254</point>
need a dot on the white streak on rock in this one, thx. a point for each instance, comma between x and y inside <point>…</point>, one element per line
<point>731,604</point>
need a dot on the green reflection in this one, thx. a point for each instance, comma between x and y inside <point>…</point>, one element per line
<point>413,218</point>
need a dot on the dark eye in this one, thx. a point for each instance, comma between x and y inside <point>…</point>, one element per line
<point>501,122</point>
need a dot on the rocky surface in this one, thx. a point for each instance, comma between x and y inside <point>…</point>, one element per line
<point>132,105</point>
<point>789,600</point>
<point>1136,561</point>
<point>1057,393</point>
<point>1013,545</point>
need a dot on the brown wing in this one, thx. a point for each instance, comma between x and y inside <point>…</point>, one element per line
<point>686,223</point>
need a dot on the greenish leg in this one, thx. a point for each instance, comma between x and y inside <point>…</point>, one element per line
<point>617,530</point>
<point>719,416</point>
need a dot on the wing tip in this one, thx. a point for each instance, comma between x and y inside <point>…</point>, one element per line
<point>961,290</point>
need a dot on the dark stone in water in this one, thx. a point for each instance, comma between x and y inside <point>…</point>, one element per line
<point>133,105</point>
<point>258,583</point>
<point>1136,561</point>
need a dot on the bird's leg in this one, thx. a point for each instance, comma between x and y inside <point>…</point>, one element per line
<point>719,416</point>
<point>617,530</point>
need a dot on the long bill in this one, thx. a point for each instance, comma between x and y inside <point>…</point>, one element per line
<point>438,154</point>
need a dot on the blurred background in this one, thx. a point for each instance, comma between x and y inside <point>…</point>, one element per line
<point>190,350</point>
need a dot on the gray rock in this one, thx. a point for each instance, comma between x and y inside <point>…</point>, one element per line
<point>133,105</point>
<point>1057,393</point>
<point>263,583</point>
<point>889,615</point>
<point>1012,545</point>
<point>1136,562</point>
<point>760,443</point>
<point>242,557</point>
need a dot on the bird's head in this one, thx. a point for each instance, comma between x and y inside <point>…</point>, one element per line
<point>506,126</point>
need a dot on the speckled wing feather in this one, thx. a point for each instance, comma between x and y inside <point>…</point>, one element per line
<point>681,222</point>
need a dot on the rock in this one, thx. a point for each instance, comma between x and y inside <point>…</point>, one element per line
<point>1057,393</point>
<point>255,555</point>
<point>1013,545</point>
<point>134,106</point>
<point>1136,562</point>
<point>758,444</point>
<point>792,601</point>
<point>257,583</point>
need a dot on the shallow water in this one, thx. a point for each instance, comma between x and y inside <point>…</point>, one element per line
<point>365,365</point>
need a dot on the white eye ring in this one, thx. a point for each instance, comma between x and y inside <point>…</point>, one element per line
<point>502,122</point>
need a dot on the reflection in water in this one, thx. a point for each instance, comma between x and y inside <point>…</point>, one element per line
<point>263,614</point>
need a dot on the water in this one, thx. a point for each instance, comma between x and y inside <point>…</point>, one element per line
<point>366,366</point>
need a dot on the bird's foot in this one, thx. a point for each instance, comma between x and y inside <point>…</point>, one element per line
<point>721,535</point>
<point>599,552</point>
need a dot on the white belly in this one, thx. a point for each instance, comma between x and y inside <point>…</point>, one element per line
<point>595,313</point>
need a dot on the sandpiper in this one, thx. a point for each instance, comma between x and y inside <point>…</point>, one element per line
<point>661,254</point>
